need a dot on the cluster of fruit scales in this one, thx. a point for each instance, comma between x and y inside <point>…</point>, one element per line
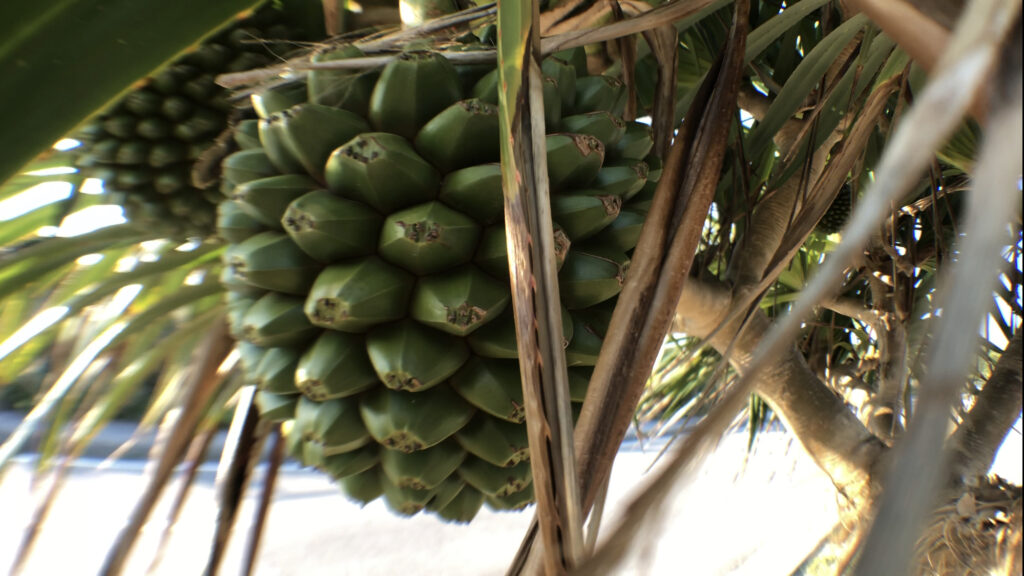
<point>144,147</point>
<point>368,277</point>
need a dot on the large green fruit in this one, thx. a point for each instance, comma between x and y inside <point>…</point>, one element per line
<point>411,300</point>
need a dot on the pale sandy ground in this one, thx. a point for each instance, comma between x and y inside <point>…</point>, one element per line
<point>756,515</point>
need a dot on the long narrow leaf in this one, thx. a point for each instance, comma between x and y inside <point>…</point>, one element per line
<point>806,76</point>
<point>535,296</point>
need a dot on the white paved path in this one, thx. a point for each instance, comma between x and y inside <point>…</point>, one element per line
<point>758,517</point>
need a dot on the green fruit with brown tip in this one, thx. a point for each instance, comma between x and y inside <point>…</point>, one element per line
<point>276,371</point>
<point>463,507</point>
<point>583,216</point>
<point>334,425</point>
<point>428,238</point>
<point>622,179</point>
<point>493,480</point>
<point>266,199</point>
<point>498,339</point>
<point>423,469</point>
<point>270,260</point>
<point>351,463</point>
<point>272,139</point>
<point>602,125</point>
<point>476,192</point>
<point>408,422</point>
<point>275,407</point>
<point>496,441</point>
<point>573,160</point>
<point>552,104</point>
<point>464,134</point>
<point>514,501</point>
<point>358,294</point>
<point>335,366</point>
<point>238,304</point>
<point>565,79</point>
<point>330,228</point>
<point>635,143</point>
<point>594,93</point>
<point>412,89</point>
<point>492,386</point>
<point>381,170</point>
<point>404,501</point>
<point>460,301</point>
<point>411,357</point>
<point>311,132</point>
<point>277,320</point>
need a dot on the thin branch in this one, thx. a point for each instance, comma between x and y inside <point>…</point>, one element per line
<point>252,546</point>
<point>205,382</point>
<point>194,459</point>
<point>241,450</point>
<point>853,308</point>
<point>649,20</point>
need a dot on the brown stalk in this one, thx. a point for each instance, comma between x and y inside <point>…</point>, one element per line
<point>57,479</point>
<point>193,460</point>
<point>662,42</point>
<point>627,54</point>
<point>567,17</point>
<point>535,298</point>
<point>241,450</point>
<point>662,260</point>
<point>630,349</point>
<point>204,383</point>
<point>252,546</point>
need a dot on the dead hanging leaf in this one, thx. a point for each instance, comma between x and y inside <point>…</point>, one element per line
<point>646,307</point>
<point>662,259</point>
<point>533,270</point>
